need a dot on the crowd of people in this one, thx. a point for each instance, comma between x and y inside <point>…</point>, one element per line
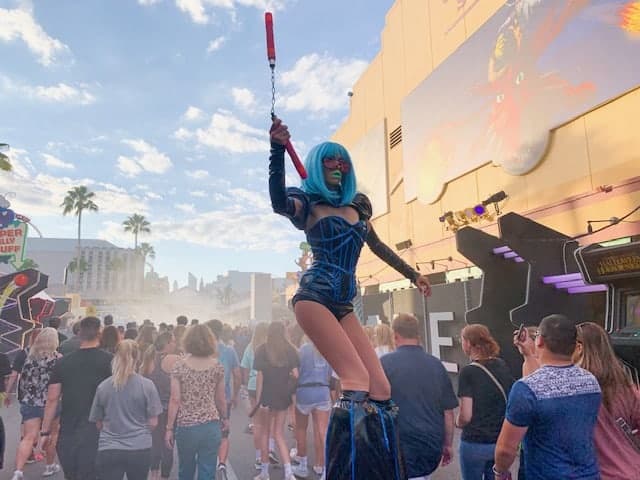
<point>109,402</point>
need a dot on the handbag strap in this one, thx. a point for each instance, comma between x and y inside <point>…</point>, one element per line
<point>492,377</point>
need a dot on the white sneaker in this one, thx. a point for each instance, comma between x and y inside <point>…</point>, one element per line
<point>300,471</point>
<point>17,475</point>
<point>293,453</point>
<point>262,476</point>
<point>51,470</point>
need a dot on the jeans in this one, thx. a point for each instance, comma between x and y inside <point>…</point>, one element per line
<point>476,460</point>
<point>198,445</point>
<point>77,451</point>
<point>113,464</point>
<point>161,456</point>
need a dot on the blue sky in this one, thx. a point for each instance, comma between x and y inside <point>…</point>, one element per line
<point>161,108</point>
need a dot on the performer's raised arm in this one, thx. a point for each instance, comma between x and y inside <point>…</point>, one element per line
<point>377,246</point>
<point>281,202</point>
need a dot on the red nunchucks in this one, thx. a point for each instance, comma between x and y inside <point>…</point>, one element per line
<point>271,55</point>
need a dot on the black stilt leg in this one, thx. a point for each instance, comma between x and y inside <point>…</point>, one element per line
<point>341,450</point>
<point>362,440</point>
<point>386,429</point>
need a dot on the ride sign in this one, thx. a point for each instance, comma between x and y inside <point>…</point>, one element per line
<point>12,243</point>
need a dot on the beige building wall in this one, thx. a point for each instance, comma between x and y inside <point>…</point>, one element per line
<point>600,148</point>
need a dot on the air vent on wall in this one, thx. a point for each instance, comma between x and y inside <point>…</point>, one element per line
<point>395,137</point>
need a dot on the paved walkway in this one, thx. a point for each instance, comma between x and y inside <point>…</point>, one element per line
<point>240,465</point>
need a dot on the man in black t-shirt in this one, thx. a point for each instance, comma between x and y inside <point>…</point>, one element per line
<point>76,377</point>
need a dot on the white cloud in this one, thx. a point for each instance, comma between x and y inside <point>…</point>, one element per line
<point>20,24</point>
<point>216,44</point>
<point>201,11</point>
<point>73,147</point>
<point>251,220</point>
<point>193,114</point>
<point>55,162</point>
<point>228,133</point>
<point>257,200</point>
<point>128,167</point>
<point>153,196</point>
<point>60,93</point>
<point>319,83</point>
<point>199,194</point>
<point>197,174</point>
<point>64,93</point>
<point>243,98</point>
<point>148,159</point>
<point>182,134</point>
<point>195,9</point>
<point>112,188</point>
<point>186,207</point>
<point>41,194</point>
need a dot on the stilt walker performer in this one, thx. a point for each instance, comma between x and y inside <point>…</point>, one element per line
<point>362,440</point>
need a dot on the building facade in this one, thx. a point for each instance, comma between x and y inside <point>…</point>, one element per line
<point>106,271</point>
<point>437,125</point>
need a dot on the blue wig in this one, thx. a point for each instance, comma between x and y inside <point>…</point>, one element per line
<point>315,184</point>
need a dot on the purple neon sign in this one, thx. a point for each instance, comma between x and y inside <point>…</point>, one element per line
<point>588,289</point>
<point>568,277</point>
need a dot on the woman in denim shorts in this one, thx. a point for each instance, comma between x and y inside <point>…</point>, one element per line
<point>32,393</point>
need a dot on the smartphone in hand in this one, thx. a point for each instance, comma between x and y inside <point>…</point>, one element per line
<point>522,334</point>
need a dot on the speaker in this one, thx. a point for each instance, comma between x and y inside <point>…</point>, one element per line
<point>404,245</point>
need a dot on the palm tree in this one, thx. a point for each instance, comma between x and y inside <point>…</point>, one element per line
<point>29,263</point>
<point>5,165</point>
<point>77,200</point>
<point>136,224</point>
<point>147,250</point>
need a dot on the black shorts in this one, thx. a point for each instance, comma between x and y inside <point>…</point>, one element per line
<point>338,310</point>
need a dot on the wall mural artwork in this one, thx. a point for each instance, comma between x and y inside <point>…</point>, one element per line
<point>533,66</point>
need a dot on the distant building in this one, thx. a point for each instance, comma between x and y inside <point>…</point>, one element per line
<point>261,306</point>
<point>106,271</point>
<point>154,284</point>
<point>192,282</point>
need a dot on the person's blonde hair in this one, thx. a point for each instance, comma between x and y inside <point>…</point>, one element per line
<point>384,336</point>
<point>124,363</point>
<point>370,332</point>
<point>259,336</point>
<point>200,341</point>
<point>599,358</point>
<point>45,343</point>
